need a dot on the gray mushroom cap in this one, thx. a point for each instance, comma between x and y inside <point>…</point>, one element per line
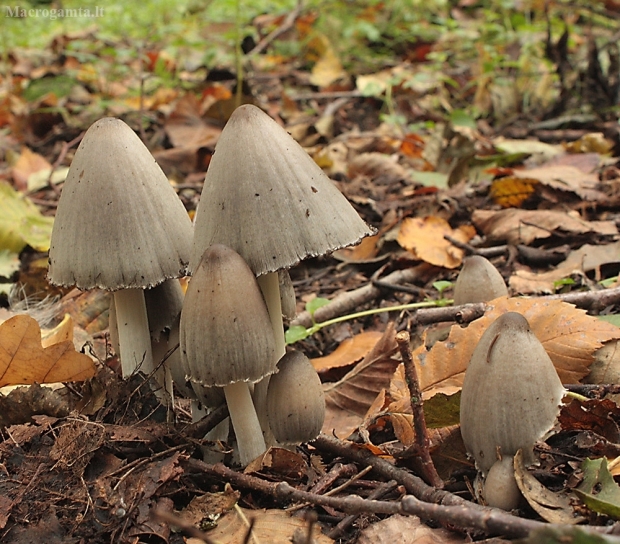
<point>478,281</point>
<point>295,400</point>
<point>268,200</point>
<point>511,393</point>
<point>119,223</point>
<point>226,334</point>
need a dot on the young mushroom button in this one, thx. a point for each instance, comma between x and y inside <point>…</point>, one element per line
<point>478,281</point>
<point>226,339</point>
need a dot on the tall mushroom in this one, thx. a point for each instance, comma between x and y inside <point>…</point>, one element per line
<point>119,226</point>
<point>226,339</point>
<point>478,281</point>
<point>511,395</point>
<point>268,200</point>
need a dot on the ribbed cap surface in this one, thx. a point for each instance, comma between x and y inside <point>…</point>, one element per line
<point>267,199</point>
<point>119,223</point>
<point>226,333</point>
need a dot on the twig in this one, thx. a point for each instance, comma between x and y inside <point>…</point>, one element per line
<point>593,391</point>
<point>61,157</point>
<point>274,34</point>
<point>487,252</point>
<point>422,441</point>
<point>343,525</point>
<point>202,427</point>
<point>461,513</point>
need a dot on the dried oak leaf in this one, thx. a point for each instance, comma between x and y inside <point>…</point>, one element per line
<point>23,361</point>
<point>516,226</point>
<point>569,335</point>
<point>348,352</point>
<point>348,400</point>
<point>424,237</point>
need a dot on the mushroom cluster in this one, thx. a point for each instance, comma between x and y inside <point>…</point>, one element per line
<point>510,399</point>
<point>265,198</point>
<point>265,206</point>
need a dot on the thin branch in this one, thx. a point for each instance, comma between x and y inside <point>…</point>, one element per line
<point>422,442</point>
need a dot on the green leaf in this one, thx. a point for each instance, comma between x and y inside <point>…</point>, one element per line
<point>564,281</point>
<point>442,285</point>
<point>442,410</point>
<point>599,492</point>
<point>460,118</point>
<point>21,222</point>
<point>9,263</point>
<point>608,282</point>
<point>295,334</point>
<point>614,319</point>
<point>314,304</point>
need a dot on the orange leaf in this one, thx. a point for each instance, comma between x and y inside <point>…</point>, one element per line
<point>28,163</point>
<point>424,237</point>
<point>511,191</point>
<point>349,351</point>
<point>569,336</point>
<point>23,361</point>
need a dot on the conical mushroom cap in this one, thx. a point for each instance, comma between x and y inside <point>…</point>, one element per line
<point>511,392</point>
<point>478,281</point>
<point>267,199</point>
<point>226,333</point>
<point>295,400</point>
<point>119,223</point>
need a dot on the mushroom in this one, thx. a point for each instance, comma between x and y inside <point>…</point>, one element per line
<point>295,400</point>
<point>478,281</point>
<point>511,393</point>
<point>268,200</point>
<point>226,339</point>
<point>119,226</point>
<point>500,488</point>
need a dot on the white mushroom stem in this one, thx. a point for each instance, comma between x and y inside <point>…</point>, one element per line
<point>163,374</point>
<point>133,332</point>
<point>247,428</point>
<point>270,287</point>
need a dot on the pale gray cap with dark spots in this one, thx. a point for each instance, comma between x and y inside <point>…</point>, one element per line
<point>268,200</point>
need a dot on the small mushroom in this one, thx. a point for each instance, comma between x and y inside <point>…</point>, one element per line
<point>478,281</point>
<point>226,339</point>
<point>119,226</point>
<point>500,488</point>
<point>295,400</point>
<point>511,393</point>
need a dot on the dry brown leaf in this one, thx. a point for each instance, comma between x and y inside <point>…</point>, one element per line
<point>517,226</point>
<point>23,361</point>
<point>569,335</point>
<point>328,68</point>
<point>348,352</point>
<point>424,237</point>
<point>407,530</point>
<point>348,400</point>
<point>28,163</point>
<point>512,191</point>
<point>270,526</point>
<point>186,128</point>
<point>60,333</point>
<point>563,177</point>
<point>584,259</point>
<point>378,165</point>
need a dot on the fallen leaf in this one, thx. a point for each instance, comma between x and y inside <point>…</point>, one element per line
<point>21,222</point>
<point>599,491</point>
<point>516,226</point>
<point>424,237</point>
<point>273,526</point>
<point>585,259</point>
<point>407,530</point>
<point>348,400</point>
<point>23,360</point>
<point>552,507</point>
<point>9,263</point>
<point>569,336</point>
<point>564,178</point>
<point>28,163</point>
<point>348,352</point>
<point>328,68</point>
<point>512,191</point>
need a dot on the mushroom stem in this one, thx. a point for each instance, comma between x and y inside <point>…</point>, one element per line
<point>163,375</point>
<point>270,287</point>
<point>133,331</point>
<point>244,421</point>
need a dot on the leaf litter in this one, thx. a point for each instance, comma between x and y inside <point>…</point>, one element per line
<point>97,459</point>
